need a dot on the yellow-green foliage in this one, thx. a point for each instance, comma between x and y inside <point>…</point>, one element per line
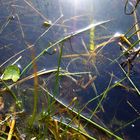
<point>92,47</point>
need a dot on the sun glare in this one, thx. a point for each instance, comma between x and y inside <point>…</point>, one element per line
<point>75,3</point>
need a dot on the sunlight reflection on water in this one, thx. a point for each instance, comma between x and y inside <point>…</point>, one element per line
<point>77,15</point>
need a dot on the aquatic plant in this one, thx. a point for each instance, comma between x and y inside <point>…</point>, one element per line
<point>50,101</point>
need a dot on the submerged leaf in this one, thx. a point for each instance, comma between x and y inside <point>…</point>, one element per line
<point>11,72</point>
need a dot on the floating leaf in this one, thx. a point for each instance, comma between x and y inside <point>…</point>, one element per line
<point>11,72</point>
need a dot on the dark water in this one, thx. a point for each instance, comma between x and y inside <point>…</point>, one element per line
<point>21,24</point>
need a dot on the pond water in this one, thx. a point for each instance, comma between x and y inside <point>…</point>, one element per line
<point>22,28</point>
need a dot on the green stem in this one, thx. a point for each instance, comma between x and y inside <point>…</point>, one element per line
<point>129,79</point>
<point>18,102</point>
<point>61,41</point>
<point>90,121</point>
<point>58,71</point>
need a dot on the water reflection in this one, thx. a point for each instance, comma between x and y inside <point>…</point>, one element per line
<point>22,28</point>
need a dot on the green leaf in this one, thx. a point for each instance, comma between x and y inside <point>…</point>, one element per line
<point>11,72</point>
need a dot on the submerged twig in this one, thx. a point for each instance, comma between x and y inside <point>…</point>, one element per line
<point>133,6</point>
<point>44,72</point>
